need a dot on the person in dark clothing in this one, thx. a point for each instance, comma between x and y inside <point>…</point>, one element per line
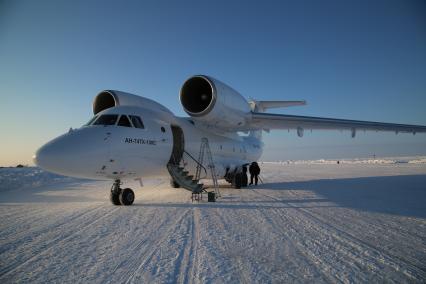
<point>254,172</point>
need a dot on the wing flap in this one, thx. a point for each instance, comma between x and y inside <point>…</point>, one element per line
<point>269,121</point>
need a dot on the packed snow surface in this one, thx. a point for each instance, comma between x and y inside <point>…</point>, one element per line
<point>308,222</point>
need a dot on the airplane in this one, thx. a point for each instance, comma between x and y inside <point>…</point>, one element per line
<point>132,137</point>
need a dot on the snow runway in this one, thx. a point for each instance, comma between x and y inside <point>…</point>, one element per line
<point>309,222</point>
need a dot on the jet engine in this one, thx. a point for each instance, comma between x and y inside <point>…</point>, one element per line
<point>109,98</point>
<point>214,103</point>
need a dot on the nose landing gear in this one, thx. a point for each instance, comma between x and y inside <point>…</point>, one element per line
<point>121,196</point>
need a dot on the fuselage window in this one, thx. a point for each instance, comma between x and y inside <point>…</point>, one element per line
<point>91,120</point>
<point>106,119</point>
<point>137,121</point>
<point>124,121</point>
<point>163,129</point>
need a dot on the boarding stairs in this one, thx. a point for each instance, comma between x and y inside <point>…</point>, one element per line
<point>205,149</point>
<point>189,182</point>
<point>182,177</point>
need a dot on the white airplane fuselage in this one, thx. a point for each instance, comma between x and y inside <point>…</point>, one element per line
<point>132,137</point>
<point>120,153</point>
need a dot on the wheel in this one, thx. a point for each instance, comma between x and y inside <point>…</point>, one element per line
<point>237,181</point>
<point>174,184</point>
<point>115,198</point>
<point>244,180</point>
<point>127,196</point>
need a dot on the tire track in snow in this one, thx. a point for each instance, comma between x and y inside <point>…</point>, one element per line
<point>321,252</point>
<point>389,233</point>
<point>188,255</point>
<point>44,238</point>
<point>133,265</point>
<point>346,247</point>
<point>288,232</point>
<point>297,246</point>
<point>215,218</point>
<point>390,226</point>
<point>196,268</point>
<point>38,236</point>
<point>17,211</point>
<point>10,226</point>
<point>7,270</point>
<point>388,257</point>
<point>250,259</point>
<point>20,220</point>
<point>380,256</point>
<point>318,252</point>
<point>40,228</point>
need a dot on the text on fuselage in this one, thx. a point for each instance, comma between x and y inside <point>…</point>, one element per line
<point>140,141</point>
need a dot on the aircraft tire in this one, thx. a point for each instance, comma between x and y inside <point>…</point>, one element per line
<point>127,196</point>
<point>238,179</point>
<point>115,198</point>
<point>244,180</point>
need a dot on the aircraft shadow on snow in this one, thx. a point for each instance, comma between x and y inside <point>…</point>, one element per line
<point>397,195</point>
<point>403,195</point>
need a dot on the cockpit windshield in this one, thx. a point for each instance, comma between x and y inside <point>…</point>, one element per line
<point>91,120</point>
<point>111,119</point>
<point>137,122</point>
<point>124,121</point>
<point>106,119</point>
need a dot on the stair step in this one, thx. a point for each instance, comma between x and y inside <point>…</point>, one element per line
<point>181,175</point>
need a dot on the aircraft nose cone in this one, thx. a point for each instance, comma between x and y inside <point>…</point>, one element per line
<point>73,154</point>
<point>42,158</point>
<point>35,159</point>
<point>48,156</point>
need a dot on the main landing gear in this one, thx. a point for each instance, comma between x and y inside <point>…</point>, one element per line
<point>237,179</point>
<point>121,196</point>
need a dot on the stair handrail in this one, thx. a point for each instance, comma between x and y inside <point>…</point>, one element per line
<point>205,143</point>
<point>198,163</point>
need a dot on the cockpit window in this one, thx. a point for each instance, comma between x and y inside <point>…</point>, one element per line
<point>106,119</point>
<point>91,120</point>
<point>124,121</point>
<point>137,121</point>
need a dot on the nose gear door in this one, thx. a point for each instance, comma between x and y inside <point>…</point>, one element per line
<point>105,166</point>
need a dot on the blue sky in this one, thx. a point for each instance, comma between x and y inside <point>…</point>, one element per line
<point>349,59</point>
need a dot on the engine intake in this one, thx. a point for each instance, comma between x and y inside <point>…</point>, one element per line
<point>213,102</point>
<point>104,100</point>
<point>110,98</point>
<point>198,96</point>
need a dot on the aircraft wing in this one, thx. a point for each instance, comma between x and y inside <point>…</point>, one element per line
<point>269,121</point>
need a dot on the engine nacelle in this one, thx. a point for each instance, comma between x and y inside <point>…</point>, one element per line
<point>210,101</point>
<point>109,98</point>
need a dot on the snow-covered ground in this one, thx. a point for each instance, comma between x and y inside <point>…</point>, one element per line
<point>309,222</point>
